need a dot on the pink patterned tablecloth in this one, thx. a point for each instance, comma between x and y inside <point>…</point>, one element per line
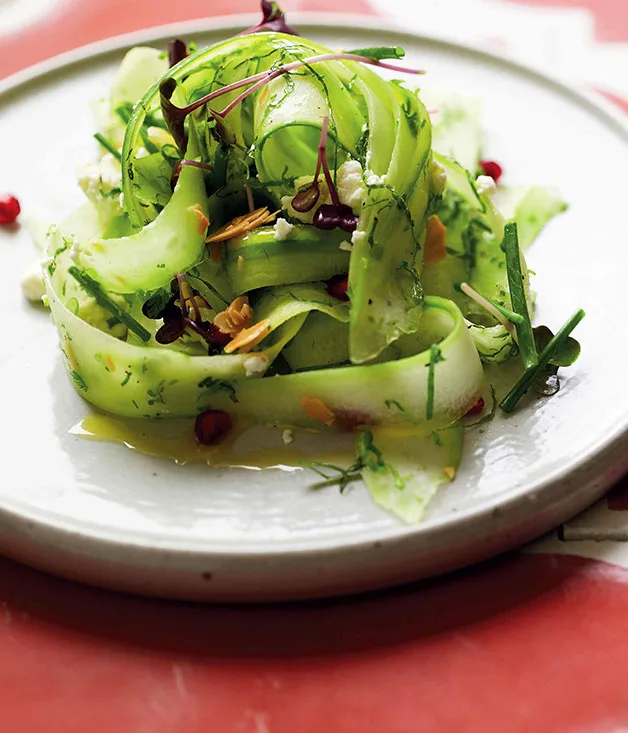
<point>530,642</point>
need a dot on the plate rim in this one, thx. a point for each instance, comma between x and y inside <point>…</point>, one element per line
<point>610,449</point>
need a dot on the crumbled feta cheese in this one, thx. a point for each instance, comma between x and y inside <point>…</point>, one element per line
<point>345,246</point>
<point>282,229</point>
<point>287,436</point>
<point>485,185</point>
<point>100,179</point>
<point>75,251</point>
<point>357,237</point>
<point>33,283</point>
<point>439,177</point>
<point>350,185</point>
<point>255,364</point>
<point>372,179</point>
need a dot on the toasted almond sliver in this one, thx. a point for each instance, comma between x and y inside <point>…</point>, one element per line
<point>236,317</point>
<point>435,241</point>
<point>248,337</point>
<point>242,225</point>
<point>450,472</point>
<point>317,410</point>
<point>203,221</point>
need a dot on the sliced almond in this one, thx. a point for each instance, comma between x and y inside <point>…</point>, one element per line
<point>317,410</point>
<point>450,472</point>
<point>203,221</point>
<point>242,225</point>
<point>435,241</point>
<point>248,337</point>
<point>237,316</point>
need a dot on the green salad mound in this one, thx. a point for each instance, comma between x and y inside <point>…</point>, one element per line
<point>282,233</point>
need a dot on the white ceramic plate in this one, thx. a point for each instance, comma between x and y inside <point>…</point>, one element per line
<point>100,513</point>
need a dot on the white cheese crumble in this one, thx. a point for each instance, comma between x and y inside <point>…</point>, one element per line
<point>345,246</point>
<point>98,179</point>
<point>33,283</point>
<point>372,179</point>
<point>255,364</point>
<point>349,184</point>
<point>357,237</point>
<point>287,436</point>
<point>282,229</point>
<point>485,185</point>
<point>439,178</point>
<point>75,251</point>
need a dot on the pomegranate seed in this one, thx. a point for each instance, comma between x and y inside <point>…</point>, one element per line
<point>337,287</point>
<point>9,209</point>
<point>211,425</point>
<point>217,337</point>
<point>477,408</point>
<point>350,419</point>
<point>492,169</point>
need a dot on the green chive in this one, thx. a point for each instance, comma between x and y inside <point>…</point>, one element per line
<point>435,357</point>
<point>380,53</point>
<point>525,336</point>
<point>94,288</point>
<point>508,314</point>
<point>107,145</point>
<point>509,402</point>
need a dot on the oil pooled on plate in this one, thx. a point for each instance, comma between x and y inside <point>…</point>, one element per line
<point>245,446</point>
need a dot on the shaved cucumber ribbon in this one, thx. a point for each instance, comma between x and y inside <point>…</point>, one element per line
<point>416,463</point>
<point>140,381</point>
<point>384,277</point>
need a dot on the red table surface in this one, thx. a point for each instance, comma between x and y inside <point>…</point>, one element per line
<point>524,643</point>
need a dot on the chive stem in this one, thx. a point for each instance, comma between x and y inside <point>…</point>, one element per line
<point>379,53</point>
<point>107,145</point>
<point>525,335</point>
<point>94,288</point>
<point>510,401</point>
<point>435,357</point>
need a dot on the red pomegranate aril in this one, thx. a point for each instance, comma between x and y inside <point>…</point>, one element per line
<point>210,426</point>
<point>217,337</point>
<point>492,169</point>
<point>9,209</point>
<point>477,408</point>
<point>337,287</point>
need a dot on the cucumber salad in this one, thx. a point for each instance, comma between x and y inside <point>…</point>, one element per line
<point>281,234</point>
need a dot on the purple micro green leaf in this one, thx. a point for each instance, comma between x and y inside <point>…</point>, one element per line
<point>273,19</point>
<point>177,51</point>
<point>307,197</point>
<point>175,116</point>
